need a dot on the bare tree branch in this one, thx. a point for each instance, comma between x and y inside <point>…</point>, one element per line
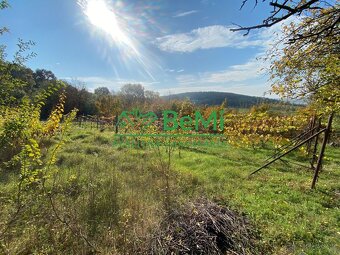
<point>282,10</point>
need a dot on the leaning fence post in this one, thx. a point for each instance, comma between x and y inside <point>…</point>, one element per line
<point>322,150</point>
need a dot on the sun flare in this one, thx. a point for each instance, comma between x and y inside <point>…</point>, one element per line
<point>111,19</point>
<point>104,18</point>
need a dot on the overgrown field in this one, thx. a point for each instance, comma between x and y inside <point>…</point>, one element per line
<point>111,199</point>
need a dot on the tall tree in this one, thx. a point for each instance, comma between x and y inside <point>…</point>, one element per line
<point>132,94</point>
<point>308,70</point>
<point>102,91</point>
<point>308,65</point>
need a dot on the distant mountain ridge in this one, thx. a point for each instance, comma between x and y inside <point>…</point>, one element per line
<point>217,98</point>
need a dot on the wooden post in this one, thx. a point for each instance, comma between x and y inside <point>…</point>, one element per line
<point>315,149</point>
<point>311,129</point>
<point>322,150</point>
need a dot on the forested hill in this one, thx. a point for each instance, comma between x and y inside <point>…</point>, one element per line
<point>217,98</point>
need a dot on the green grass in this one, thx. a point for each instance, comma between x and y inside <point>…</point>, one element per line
<point>292,218</point>
<point>116,197</point>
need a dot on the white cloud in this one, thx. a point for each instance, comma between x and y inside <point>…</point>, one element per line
<point>182,14</point>
<point>205,38</point>
<point>173,70</point>
<point>250,70</point>
<point>248,78</point>
<point>219,36</point>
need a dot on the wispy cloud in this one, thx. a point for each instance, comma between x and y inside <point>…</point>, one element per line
<point>245,78</point>
<point>236,73</point>
<point>248,78</point>
<point>183,14</point>
<point>219,36</point>
<point>173,70</point>
<point>205,38</point>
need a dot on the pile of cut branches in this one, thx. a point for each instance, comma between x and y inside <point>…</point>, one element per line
<point>203,227</point>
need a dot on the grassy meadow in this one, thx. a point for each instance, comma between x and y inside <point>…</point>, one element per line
<point>110,199</point>
<point>88,164</point>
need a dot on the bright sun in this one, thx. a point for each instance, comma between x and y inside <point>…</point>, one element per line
<point>113,23</point>
<point>100,15</point>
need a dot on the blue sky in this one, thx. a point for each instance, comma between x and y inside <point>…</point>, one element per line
<point>169,46</point>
